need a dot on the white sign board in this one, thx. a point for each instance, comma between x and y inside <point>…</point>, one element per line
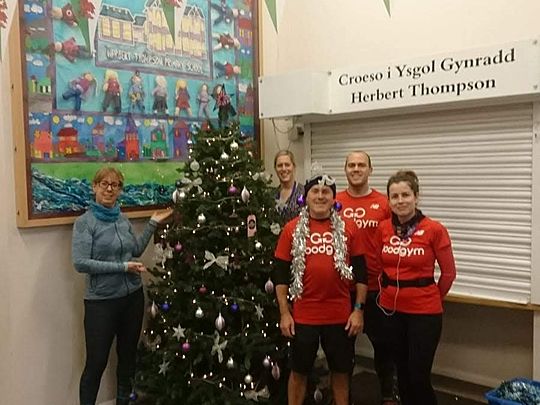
<point>496,71</point>
<point>487,73</point>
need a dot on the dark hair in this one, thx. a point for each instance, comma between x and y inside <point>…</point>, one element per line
<point>315,181</point>
<point>407,176</point>
<point>284,152</point>
<point>359,151</point>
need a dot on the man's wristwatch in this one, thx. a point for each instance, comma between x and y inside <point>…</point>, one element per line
<point>359,306</point>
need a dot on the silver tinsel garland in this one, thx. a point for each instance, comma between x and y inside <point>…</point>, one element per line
<point>298,251</point>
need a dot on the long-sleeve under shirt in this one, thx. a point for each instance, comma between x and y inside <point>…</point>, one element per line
<point>102,249</point>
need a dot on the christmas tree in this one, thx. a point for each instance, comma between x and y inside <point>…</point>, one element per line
<point>212,335</point>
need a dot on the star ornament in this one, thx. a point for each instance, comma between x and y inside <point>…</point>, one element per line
<point>164,367</point>
<point>218,347</point>
<point>259,312</point>
<point>179,332</point>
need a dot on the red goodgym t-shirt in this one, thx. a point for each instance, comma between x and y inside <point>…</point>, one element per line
<point>326,297</point>
<point>366,212</point>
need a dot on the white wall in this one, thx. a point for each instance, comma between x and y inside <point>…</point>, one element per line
<point>41,338</point>
<point>479,344</point>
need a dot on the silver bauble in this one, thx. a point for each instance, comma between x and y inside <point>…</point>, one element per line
<point>258,245</point>
<point>266,362</point>
<point>248,379</point>
<point>199,313</point>
<point>234,145</point>
<point>224,156</point>
<point>317,395</point>
<point>245,194</point>
<point>220,322</point>
<point>154,309</point>
<point>230,363</point>
<point>194,166</point>
<point>201,219</point>
<point>276,372</point>
<point>269,286</point>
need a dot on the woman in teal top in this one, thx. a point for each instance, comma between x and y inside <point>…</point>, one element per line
<point>104,246</point>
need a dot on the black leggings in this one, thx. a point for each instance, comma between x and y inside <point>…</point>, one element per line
<point>383,360</point>
<point>414,339</point>
<point>103,320</point>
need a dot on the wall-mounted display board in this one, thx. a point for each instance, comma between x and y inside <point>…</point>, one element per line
<point>124,83</point>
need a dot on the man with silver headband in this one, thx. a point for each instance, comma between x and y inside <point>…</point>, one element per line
<point>317,260</point>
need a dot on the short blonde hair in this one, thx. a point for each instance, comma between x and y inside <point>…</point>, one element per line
<point>106,171</point>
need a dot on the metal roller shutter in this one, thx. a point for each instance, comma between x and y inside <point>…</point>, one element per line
<point>475,171</point>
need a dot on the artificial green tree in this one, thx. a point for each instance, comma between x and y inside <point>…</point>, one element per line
<point>212,336</point>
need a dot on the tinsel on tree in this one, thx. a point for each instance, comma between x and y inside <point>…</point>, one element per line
<point>212,335</point>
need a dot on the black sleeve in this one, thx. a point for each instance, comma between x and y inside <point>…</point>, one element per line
<point>358,264</point>
<point>281,272</point>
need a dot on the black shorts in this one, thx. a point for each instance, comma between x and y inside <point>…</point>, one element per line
<point>338,348</point>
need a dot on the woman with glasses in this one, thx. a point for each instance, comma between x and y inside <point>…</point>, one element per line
<point>104,246</point>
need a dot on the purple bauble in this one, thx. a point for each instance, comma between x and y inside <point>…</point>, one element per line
<point>133,396</point>
<point>301,200</point>
<point>232,190</point>
<point>178,247</point>
<point>165,306</point>
<point>234,307</point>
<point>338,206</point>
<point>185,347</point>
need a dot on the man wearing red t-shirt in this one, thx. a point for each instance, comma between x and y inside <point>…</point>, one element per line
<point>317,259</point>
<point>367,208</point>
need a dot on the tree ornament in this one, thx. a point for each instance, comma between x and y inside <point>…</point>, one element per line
<point>186,347</point>
<point>153,309</point>
<point>178,195</point>
<point>201,219</point>
<point>224,156</point>
<point>179,184</point>
<point>276,372</point>
<point>234,145</point>
<point>275,228</point>
<point>269,286</point>
<point>317,395</point>
<point>133,396</point>
<point>165,306</point>
<point>258,245</point>
<point>248,379</point>
<point>245,195</point>
<point>179,332</point>
<point>301,201</point>
<point>220,322</point>
<point>266,362</point>
<point>232,190</point>
<point>230,363</point>
<point>199,313</point>
<point>178,247</point>
<point>234,307</point>
<point>202,289</point>
<point>194,166</point>
<point>338,206</point>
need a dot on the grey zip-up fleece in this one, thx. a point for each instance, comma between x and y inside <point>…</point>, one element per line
<point>102,249</point>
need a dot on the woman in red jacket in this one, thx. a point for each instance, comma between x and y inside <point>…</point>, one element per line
<point>409,295</point>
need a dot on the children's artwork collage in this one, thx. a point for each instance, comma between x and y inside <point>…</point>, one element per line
<point>128,82</point>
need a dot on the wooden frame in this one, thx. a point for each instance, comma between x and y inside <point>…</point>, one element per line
<point>61,135</point>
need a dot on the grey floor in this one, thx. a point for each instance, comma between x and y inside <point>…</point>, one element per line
<point>365,387</point>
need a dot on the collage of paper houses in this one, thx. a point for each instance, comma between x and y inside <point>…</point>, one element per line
<point>126,82</point>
